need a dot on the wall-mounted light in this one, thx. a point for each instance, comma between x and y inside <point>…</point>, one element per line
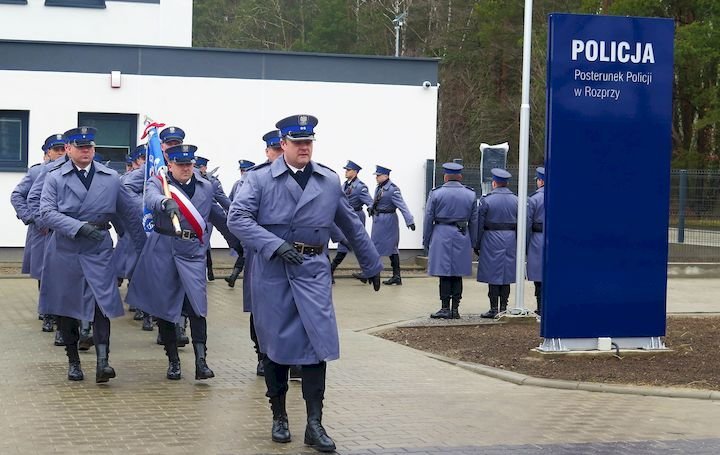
<point>115,78</point>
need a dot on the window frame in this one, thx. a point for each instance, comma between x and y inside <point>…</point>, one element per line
<point>132,120</point>
<point>19,165</point>
<point>98,4</point>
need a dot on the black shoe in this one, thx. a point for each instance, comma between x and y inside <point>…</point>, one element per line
<point>173,372</point>
<point>394,280</point>
<point>147,323</point>
<point>315,435</point>
<point>442,313</point>
<point>233,277</point>
<point>296,373</point>
<point>86,342</point>
<point>210,275</point>
<point>202,370</point>
<point>260,370</point>
<point>159,339</point>
<point>138,316</point>
<point>131,309</point>
<point>454,314</point>
<point>280,426</point>
<point>48,324</point>
<point>74,372</point>
<point>103,371</point>
<point>489,314</point>
<point>358,276</point>
<point>182,338</point>
<point>59,340</point>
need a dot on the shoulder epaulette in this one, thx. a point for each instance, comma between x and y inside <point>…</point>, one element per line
<point>259,166</point>
<point>437,187</point>
<point>322,165</point>
<point>470,188</point>
<point>36,164</point>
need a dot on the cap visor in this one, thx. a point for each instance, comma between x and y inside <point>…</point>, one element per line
<point>300,138</point>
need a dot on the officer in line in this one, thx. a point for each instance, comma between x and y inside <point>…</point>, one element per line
<point>240,261</point>
<point>53,148</point>
<point>128,164</point>
<point>169,278</point>
<point>284,212</point>
<point>449,232</point>
<point>78,201</point>
<point>385,230</point>
<point>220,197</point>
<point>358,195</point>
<point>536,236</point>
<point>496,237</point>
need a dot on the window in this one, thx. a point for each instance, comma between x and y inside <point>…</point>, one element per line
<point>14,2</point>
<point>77,3</point>
<point>13,140</point>
<point>115,138</point>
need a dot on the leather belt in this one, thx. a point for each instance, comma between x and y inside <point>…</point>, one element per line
<point>452,223</point>
<point>185,234</point>
<point>500,227</point>
<point>101,226</point>
<point>537,227</point>
<point>359,209</point>
<point>310,250</point>
<point>385,211</point>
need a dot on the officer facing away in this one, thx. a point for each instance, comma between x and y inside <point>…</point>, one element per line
<point>449,232</point>
<point>495,246</point>
<point>536,236</point>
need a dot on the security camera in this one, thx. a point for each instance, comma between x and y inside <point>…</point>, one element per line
<point>427,84</point>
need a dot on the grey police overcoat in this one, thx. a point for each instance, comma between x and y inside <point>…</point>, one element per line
<point>19,201</point>
<point>536,236</point>
<point>449,248</point>
<point>292,304</point>
<point>496,240</point>
<point>385,230</point>
<point>358,195</point>
<point>78,271</point>
<point>171,267</point>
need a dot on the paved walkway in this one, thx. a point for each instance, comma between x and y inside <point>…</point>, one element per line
<point>382,397</point>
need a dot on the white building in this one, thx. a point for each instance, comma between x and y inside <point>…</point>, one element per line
<point>53,77</point>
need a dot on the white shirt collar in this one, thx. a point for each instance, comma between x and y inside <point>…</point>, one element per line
<point>294,169</point>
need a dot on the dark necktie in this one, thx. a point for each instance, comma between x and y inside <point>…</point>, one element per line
<point>302,177</point>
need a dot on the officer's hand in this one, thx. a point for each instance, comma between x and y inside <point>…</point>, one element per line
<point>371,212</point>
<point>477,251</point>
<point>170,207</point>
<point>411,226</point>
<point>375,282</point>
<point>289,254</point>
<point>28,221</point>
<point>346,245</point>
<point>89,231</point>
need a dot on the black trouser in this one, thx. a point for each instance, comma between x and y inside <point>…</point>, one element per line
<point>198,326</point>
<point>451,287</point>
<point>499,290</point>
<point>538,293</point>
<point>339,257</point>
<point>70,328</point>
<point>253,336</point>
<point>313,379</point>
<point>208,261</point>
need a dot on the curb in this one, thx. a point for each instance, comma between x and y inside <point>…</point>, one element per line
<point>522,379</point>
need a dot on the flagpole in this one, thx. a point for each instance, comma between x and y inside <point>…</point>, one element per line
<point>523,164</point>
<point>150,129</point>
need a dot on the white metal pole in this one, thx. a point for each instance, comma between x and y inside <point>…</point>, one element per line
<point>523,163</point>
<point>397,40</point>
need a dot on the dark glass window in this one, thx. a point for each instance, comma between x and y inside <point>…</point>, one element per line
<point>116,136</point>
<point>77,3</point>
<point>13,140</point>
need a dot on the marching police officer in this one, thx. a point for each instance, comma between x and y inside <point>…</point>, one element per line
<point>449,232</point>
<point>385,231</point>
<point>284,212</point>
<point>169,279</point>
<point>240,261</point>
<point>497,225</point>
<point>536,236</point>
<point>78,201</point>
<point>358,195</point>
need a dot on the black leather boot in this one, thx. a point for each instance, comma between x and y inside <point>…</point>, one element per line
<point>358,276</point>
<point>315,435</point>
<point>202,371</point>
<point>260,370</point>
<point>86,340</point>
<point>233,277</point>
<point>280,425</point>
<point>60,341</point>
<point>493,308</point>
<point>173,372</point>
<point>147,323</point>
<point>74,371</point>
<point>138,315</point>
<point>455,313</point>
<point>395,263</point>
<point>443,312</point>
<point>181,336</point>
<point>48,324</point>
<point>103,372</point>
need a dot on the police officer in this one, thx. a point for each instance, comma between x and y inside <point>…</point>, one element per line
<point>449,232</point>
<point>78,201</point>
<point>497,225</point>
<point>284,212</point>
<point>169,278</point>
<point>240,261</point>
<point>358,195</point>
<point>385,230</point>
<point>53,147</point>
<point>536,236</point>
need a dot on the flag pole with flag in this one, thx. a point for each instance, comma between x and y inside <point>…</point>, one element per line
<point>155,166</point>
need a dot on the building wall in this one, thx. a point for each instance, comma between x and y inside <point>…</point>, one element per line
<point>157,23</point>
<point>391,125</point>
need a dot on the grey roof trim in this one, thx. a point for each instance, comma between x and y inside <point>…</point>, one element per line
<point>218,63</point>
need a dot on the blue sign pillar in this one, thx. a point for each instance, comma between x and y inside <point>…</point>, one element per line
<point>609,107</point>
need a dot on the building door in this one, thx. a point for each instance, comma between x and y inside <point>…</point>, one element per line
<point>116,136</point>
